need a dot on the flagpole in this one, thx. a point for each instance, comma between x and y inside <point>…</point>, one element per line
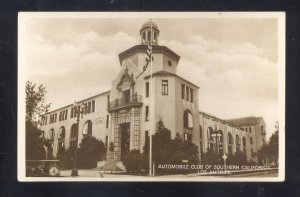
<point>151,107</point>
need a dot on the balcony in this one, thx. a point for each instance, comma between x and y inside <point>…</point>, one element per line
<point>117,104</point>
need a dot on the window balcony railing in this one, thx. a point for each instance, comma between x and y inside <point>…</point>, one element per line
<point>135,100</point>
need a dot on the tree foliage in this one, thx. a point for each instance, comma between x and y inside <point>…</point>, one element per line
<point>90,151</point>
<point>35,149</point>
<point>268,153</point>
<point>35,100</point>
<point>136,162</point>
<point>66,157</point>
<point>170,151</point>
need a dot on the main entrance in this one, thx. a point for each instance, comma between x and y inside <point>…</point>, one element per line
<point>125,139</point>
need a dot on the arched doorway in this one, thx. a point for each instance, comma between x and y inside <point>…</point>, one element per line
<point>220,142</point>
<point>230,143</point>
<point>61,139</point>
<point>87,128</point>
<point>73,136</point>
<point>237,142</point>
<point>188,125</point>
<point>50,146</point>
<point>210,139</point>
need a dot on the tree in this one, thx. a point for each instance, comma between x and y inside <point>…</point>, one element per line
<point>90,151</point>
<point>161,142</point>
<point>35,98</point>
<point>34,142</point>
<point>268,153</point>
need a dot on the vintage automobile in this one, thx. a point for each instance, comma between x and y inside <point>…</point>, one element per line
<point>42,168</point>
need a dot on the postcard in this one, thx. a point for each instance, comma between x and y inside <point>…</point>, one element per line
<point>144,96</point>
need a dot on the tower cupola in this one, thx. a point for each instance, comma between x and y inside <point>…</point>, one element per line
<point>149,33</point>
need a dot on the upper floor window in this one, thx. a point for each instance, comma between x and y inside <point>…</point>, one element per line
<point>147,89</point>
<point>164,87</point>
<point>182,91</point>
<point>93,106</point>
<point>187,93</point>
<point>107,121</point>
<point>250,129</point>
<point>89,107</point>
<point>170,63</point>
<point>251,141</point>
<point>66,114</point>
<point>192,96</point>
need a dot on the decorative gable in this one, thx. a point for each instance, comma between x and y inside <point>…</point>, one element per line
<point>126,81</point>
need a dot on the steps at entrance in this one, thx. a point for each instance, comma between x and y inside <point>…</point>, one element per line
<point>111,166</point>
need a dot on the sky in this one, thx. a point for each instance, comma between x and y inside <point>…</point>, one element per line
<point>234,61</point>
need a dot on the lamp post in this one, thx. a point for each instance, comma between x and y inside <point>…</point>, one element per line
<point>217,135</point>
<point>78,110</point>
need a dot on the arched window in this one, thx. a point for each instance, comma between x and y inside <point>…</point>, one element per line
<point>73,135</point>
<point>87,128</point>
<point>188,121</point>
<point>61,138</point>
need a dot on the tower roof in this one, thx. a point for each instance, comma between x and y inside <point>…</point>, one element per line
<point>245,121</point>
<point>149,24</point>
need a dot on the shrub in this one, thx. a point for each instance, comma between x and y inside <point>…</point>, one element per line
<point>136,162</point>
<point>66,157</point>
<point>90,151</point>
<point>210,158</point>
<point>239,158</point>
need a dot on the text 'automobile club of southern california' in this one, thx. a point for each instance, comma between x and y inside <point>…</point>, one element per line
<point>127,114</point>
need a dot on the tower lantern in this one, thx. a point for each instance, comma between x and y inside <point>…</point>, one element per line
<point>148,35</point>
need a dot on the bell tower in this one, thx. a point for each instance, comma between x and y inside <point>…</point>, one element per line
<point>149,33</point>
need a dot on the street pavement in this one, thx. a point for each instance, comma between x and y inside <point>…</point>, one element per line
<point>96,173</point>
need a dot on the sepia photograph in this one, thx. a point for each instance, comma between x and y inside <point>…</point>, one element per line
<point>144,96</point>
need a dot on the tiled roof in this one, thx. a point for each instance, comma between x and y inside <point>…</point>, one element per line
<point>246,121</point>
<point>143,49</point>
<point>164,73</point>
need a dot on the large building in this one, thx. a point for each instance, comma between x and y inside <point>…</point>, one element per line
<point>124,116</point>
